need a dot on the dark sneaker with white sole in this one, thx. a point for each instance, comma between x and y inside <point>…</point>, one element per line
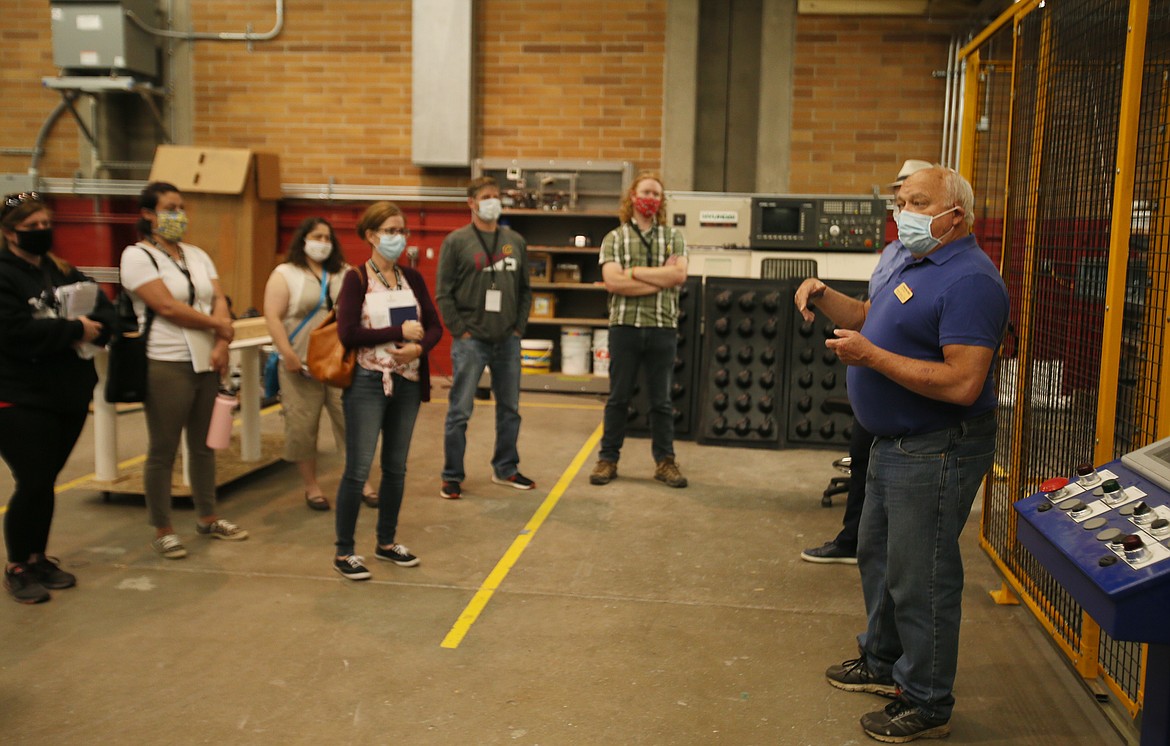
<point>830,553</point>
<point>902,722</point>
<point>397,554</point>
<point>451,491</point>
<point>517,480</point>
<point>351,567</point>
<point>854,676</point>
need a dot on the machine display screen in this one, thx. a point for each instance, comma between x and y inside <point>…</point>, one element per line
<point>1153,462</point>
<point>780,219</point>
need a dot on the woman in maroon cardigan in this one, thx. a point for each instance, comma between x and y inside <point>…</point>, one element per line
<point>385,312</point>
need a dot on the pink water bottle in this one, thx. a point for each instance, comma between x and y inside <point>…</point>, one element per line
<point>219,432</point>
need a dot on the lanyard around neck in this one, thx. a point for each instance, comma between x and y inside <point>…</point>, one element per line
<point>397,279</point>
<point>645,242</point>
<point>182,267</point>
<point>491,253</point>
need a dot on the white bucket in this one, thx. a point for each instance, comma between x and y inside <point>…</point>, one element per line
<point>601,352</point>
<point>536,355</point>
<point>575,342</point>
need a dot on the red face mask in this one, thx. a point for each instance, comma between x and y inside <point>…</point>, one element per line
<point>647,206</point>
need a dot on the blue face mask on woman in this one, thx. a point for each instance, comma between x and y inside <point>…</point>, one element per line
<point>391,247</point>
<point>914,231</point>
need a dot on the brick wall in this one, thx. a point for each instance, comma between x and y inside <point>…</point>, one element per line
<point>864,100</point>
<point>332,93</point>
<point>26,55</point>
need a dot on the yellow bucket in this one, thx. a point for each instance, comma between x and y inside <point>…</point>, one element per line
<point>536,355</point>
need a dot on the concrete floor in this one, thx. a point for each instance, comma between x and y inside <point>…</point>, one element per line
<point>636,614</point>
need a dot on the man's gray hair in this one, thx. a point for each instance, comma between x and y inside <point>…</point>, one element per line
<point>959,192</point>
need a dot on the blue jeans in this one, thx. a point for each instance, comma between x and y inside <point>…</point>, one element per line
<point>468,359</point>
<point>368,412</point>
<point>632,349</point>
<point>918,494</point>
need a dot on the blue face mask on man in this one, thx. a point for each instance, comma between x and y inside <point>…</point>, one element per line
<point>914,231</point>
<point>391,247</point>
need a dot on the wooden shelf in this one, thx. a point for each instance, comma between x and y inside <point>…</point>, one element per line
<point>563,321</point>
<point>586,384</point>
<point>564,249</point>
<point>567,286</point>
<point>559,213</point>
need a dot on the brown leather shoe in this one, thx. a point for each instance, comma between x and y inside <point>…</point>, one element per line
<point>667,471</point>
<point>604,473</point>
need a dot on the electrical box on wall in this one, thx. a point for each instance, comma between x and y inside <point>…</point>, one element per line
<point>97,38</point>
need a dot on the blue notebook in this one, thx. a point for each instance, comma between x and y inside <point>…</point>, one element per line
<point>398,316</point>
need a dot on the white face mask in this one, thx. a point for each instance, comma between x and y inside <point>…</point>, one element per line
<point>489,209</point>
<point>914,231</point>
<point>318,251</point>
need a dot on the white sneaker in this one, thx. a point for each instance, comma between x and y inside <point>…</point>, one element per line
<point>169,546</point>
<point>221,529</point>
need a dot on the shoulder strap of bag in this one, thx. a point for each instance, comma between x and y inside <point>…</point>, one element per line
<point>311,314</point>
<point>149,310</point>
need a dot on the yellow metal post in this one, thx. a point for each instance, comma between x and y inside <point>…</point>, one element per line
<point>1118,261</point>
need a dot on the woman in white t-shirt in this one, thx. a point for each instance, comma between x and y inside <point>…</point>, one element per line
<point>299,295</point>
<point>185,314</point>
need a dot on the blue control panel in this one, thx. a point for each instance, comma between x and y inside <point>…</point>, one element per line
<point>1104,535</point>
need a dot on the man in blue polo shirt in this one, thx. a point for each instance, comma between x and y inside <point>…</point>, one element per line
<point>920,356</point>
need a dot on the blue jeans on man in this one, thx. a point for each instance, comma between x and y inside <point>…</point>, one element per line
<point>469,357</point>
<point>651,350</point>
<point>919,491</point>
<point>368,413</point>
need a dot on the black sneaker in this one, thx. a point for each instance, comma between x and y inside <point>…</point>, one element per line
<point>24,586</point>
<point>517,480</point>
<point>854,676</point>
<point>901,722</point>
<point>828,553</point>
<point>50,575</point>
<point>451,491</point>
<point>397,554</point>
<point>351,567</point>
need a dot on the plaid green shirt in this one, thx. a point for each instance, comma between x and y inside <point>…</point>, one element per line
<point>622,245</point>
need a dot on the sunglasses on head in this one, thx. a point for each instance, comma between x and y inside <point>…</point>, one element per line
<point>12,201</point>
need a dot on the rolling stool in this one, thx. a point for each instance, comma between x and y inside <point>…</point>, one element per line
<point>837,485</point>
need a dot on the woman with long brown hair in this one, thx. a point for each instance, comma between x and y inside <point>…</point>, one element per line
<point>46,383</point>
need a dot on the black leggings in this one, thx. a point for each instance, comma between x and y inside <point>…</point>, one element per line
<point>35,443</point>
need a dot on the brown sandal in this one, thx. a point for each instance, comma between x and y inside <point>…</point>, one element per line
<point>370,499</point>
<point>320,502</point>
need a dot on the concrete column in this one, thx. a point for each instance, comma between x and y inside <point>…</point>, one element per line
<point>774,138</point>
<point>680,91</point>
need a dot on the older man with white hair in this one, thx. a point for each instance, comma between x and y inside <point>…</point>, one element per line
<point>843,548</point>
<point>920,356</point>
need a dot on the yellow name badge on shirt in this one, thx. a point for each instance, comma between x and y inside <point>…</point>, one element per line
<point>903,292</point>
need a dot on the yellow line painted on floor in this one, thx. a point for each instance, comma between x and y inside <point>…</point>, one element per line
<point>512,556</point>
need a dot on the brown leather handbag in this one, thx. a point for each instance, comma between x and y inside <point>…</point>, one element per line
<point>328,360</point>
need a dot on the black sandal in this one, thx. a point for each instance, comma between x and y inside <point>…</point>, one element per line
<point>320,502</point>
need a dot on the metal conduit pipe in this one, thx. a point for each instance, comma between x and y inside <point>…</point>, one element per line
<point>39,147</point>
<point>192,35</point>
<point>946,122</point>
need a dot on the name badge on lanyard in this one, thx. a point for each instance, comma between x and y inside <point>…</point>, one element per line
<point>493,300</point>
